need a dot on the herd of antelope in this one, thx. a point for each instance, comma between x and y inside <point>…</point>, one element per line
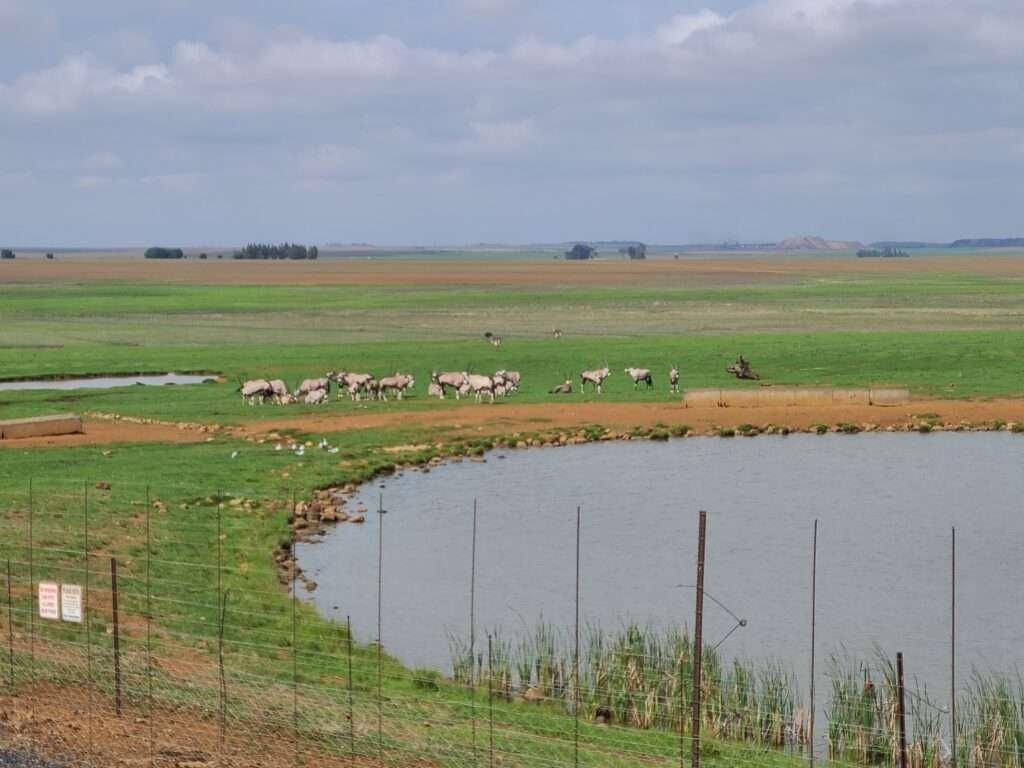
<point>359,386</point>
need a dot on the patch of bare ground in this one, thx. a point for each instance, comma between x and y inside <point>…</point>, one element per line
<point>66,723</point>
<point>690,272</point>
<point>507,418</point>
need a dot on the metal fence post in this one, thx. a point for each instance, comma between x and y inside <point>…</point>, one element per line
<point>698,644</point>
<point>117,636</point>
<point>901,712</point>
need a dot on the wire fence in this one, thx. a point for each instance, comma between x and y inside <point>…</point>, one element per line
<point>166,626</point>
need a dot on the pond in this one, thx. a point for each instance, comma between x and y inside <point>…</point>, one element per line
<point>106,382</point>
<point>885,505</point>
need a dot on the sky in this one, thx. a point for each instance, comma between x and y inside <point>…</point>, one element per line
<point>189,122</point>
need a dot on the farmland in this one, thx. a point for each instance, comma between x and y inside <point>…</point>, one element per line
<point>948,328</point>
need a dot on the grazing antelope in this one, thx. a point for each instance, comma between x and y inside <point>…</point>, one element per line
<point>312,385</point>
<point>493,338</point>
<point>449,380</point>
<point>280,393</point>
<point>355,384</point>
<point>435,390</point>
<point>316,397</point>
<point>673,379</point>
<point>596,377</point>
<point>510,378</point>
<point>256,391</point>
<point>480,386</point>
<point>398,383</point>
<point>640,374</point>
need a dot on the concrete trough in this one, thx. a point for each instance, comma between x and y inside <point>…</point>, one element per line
<point>889,396</point>
<point>787,396</point>
<point>740,398</point>
<point>851,397</point>
<point>41,426</point>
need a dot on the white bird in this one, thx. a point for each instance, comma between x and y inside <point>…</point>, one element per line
<point>277,447</point>
<point>234,455</point>
<point>323,443</point>
<point>334,450</point>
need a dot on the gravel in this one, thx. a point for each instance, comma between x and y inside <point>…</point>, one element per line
<point>12,759</point>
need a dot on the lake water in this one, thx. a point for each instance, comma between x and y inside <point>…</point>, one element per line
<point>106,382</point>
<point>885,505</point>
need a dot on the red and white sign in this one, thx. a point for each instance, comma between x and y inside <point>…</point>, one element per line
<point>49,600</point>
<point>71,602</point>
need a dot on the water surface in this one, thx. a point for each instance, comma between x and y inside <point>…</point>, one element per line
<point>106,382</point>
<point>885,504</point>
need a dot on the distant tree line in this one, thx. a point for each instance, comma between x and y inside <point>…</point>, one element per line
<point>164,253</point>
<point>581,251</point>
<point>282,251</point>
<point>882,253</point>
<point>6,253</point>
<point>634,251</point>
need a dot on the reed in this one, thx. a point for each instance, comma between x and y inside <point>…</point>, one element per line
<point>640,677</point>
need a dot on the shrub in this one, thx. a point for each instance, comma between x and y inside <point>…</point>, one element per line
<point>164,253</point>
<point>820,429</point>
<point>849,429</point>
<point>726,432</point>
<point>924,429</point>
<point>1017,427</point>
<point>6,253</point>
<point>680,430</point>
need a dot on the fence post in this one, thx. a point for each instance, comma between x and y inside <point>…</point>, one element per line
<point>85,613</point>
<point>814,600</point>
<point>952,650</point>
<point>576,653</point>
<point>10,625</point>
<point>117,636</point>
<point>698,644</point>
<point>351,707</point>
<point>31,584</point>
<point>221,608</point>
<point>149,631</point>
<point>490,701</point>
<point>472,635</point>
<point>901,712</point>
<point>380,640</point>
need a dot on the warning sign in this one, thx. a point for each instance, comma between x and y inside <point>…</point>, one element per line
<point>49,600</point>
<point>71,602</point>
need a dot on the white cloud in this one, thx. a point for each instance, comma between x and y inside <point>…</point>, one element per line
<point>682,27</point>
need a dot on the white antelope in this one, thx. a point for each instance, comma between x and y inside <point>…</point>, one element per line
<point>446,380</point>
<point>256,391</point>
<point>640,375</point>
<point>673,379</point>
<point>565,388</point>
<point>595,377</point>
<point>510,379</point>
<point>435,390</point>
<point>355,384</point>
<point>312,385</point>
<point>480,386</point>
<point>399,383</point>
<point>279,392</point>
<point>316,397</point>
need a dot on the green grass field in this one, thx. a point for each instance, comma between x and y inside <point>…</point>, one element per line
<point>951,335</point>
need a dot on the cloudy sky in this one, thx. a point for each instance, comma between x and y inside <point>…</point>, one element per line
<point>131,122</point>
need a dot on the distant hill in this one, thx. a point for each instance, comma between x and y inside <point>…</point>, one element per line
<point>989,242</point>
<point>814,243</point>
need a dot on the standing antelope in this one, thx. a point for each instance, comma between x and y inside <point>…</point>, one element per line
<point>256,391</point>
<point>445,380</point>
<point>673,379</point>
<point>510,378</point>
<point>595,377</point>
<point>312,385</point>
<point>556,332</point>
<point>398,383</point>
<point>480,386</point>
<point>640,374</point>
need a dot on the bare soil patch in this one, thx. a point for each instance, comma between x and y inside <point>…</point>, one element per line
<point>507,418</point>
<point>690,272</point>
